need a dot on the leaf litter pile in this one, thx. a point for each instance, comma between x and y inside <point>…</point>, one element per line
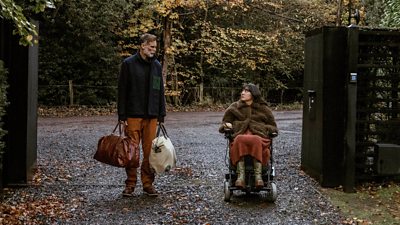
<point>31,210</point>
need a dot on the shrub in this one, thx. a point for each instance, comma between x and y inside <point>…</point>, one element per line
<point>3,105</point>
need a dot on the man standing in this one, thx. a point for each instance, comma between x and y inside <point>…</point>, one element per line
<point>141,103</point>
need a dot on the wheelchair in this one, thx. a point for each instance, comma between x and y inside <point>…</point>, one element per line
<point>268,174</point>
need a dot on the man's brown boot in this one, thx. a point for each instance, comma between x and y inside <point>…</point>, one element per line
<point>128,191</point>
<point>150,191</point>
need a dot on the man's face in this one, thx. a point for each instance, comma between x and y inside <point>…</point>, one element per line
<point>148,49</point>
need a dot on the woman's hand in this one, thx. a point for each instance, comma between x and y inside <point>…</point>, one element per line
<point>227,125</point>
<point>225,128</point>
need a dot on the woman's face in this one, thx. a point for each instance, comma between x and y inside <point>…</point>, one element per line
<point>246,95</point>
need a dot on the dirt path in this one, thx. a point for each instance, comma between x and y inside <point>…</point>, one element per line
<point>191,194</point>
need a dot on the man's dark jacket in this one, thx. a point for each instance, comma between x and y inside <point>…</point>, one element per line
<point>135,98</point>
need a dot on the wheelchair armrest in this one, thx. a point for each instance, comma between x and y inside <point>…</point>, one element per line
<point>273,134</point>
<point>228,132</point>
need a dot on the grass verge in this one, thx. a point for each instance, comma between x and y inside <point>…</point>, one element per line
<point>371,204</point>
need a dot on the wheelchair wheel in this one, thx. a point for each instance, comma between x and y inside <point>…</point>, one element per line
<point>273,193</point>
<point>227,192</point>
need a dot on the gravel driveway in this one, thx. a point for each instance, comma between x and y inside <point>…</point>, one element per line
<point>191,194</point>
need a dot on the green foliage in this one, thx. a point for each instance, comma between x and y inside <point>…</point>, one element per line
<point>79,42</point>
<point>15,12</point>
<point>391,16</point>
<point>383,13</point>
<point>141,18</point>
<point>215,43</point>
<point>3,105</point>
<point>375,9</point>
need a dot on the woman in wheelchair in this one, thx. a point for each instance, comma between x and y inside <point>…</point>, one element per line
<point>252,125</point>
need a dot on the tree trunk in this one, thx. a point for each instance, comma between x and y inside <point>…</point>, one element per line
<point>350,13</point>
<point>201,94</point>
<point>339,13</point>
<point>167,33</point>
<point>174,80</point>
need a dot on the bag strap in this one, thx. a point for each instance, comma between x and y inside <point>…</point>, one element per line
<point>119,126</point>
<point>161,128</point>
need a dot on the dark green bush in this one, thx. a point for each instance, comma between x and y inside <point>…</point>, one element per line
<point>3,105</point>
<point>79,43</point>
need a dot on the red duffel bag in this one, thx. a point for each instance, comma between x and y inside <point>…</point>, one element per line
<point>117,150</point>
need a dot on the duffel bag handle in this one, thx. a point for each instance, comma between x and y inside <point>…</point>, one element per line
<point>119,126</point>
<point>161,128</point>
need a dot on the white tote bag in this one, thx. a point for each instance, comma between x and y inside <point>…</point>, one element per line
<point>162,155</point>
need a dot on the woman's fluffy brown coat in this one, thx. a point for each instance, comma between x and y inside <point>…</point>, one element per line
<point>257,118</point>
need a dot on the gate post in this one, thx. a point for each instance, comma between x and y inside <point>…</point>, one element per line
<point>324,105</point>
<point>350,135</point>
<point>20,121</point>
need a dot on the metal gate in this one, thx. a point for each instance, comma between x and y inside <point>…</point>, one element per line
<point>351,105</point>
<point>378,101</point>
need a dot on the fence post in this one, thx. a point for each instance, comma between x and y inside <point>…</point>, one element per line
<point>71,93</point>
<point>201,92</point>
<point>232,94</point>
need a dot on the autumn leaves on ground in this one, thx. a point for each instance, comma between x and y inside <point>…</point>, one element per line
<point>371,204</point>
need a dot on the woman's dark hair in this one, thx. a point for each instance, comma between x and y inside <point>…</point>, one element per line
<point>255,92</point>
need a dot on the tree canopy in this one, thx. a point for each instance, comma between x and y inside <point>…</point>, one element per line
<point>206,43</point>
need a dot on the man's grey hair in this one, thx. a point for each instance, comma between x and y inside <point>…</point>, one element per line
<point>145,38</point>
